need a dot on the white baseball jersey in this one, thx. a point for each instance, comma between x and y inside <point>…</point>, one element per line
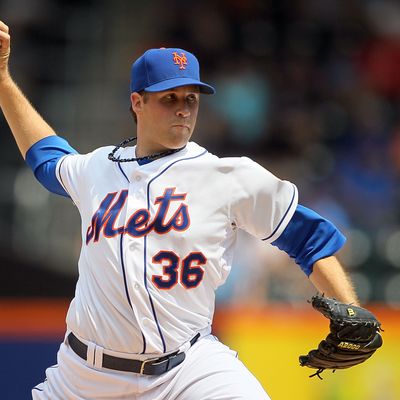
<point>158,240</point>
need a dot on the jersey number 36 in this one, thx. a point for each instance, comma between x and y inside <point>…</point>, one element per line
<point>188,271</point>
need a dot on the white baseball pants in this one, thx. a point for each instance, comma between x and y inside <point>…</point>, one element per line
<point>210,371</point>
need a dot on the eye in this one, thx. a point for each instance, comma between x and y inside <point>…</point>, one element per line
<point>192,98</point>
<point>169,97</point>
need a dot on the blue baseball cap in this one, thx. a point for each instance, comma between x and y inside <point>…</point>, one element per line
<point>163,69</point>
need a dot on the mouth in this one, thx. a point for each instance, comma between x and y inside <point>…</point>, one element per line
<point>181,126</point>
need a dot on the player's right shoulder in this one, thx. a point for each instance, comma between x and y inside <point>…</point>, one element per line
<point>100,153</point>
<point>86,167</point>
<point>78,173</point>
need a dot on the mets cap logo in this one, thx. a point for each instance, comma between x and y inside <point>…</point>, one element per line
<point>180,60</point>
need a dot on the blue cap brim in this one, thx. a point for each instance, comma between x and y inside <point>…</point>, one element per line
<point>177,82</point>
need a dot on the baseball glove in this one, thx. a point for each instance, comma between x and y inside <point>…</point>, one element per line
<point>354,336</point>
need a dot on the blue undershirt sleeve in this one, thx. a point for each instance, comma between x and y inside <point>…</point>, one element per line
<point>309,237</point>
<point>42,158</point>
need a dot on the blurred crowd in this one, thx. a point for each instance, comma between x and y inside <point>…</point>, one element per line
<point>308,88</point>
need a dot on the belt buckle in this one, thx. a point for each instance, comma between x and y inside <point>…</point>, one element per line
<point>144,362</point>
<point>156,361</point>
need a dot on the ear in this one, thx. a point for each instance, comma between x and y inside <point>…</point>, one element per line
<point>136,102</point>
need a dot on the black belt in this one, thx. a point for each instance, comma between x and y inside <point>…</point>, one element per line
<point>153,366</point>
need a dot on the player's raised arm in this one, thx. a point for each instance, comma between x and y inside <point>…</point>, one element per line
<point>27,126</point>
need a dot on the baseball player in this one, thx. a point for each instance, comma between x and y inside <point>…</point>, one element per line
<point>159,222</point>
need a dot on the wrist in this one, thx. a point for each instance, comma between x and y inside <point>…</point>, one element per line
<point>4,72</point>
<point>5,77</point>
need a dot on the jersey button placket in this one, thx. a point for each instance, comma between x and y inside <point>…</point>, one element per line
<point>134,256</point>
<point>134,246</point>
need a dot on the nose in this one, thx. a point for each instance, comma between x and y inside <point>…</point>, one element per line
<point>183,112</point>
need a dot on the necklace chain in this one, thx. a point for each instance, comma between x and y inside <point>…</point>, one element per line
<point>150,157</point>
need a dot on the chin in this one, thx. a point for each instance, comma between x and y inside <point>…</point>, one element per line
<point>178,145</point>
<point>178,140</point>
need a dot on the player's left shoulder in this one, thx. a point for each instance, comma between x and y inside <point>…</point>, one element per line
<point>223,164</point>
<point>196,154</point>
<point>242,166</point>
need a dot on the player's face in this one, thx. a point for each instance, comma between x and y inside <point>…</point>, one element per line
<point>166,120</point>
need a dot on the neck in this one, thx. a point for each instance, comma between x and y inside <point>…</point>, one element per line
<point>147,150</point>
<point>158,154</point>
<point>152,156</point>
<point>146,147</point>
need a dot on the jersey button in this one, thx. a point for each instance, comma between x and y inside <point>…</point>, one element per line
<point>137,286</point>
<point>146,321</point>
<point>138,178</point>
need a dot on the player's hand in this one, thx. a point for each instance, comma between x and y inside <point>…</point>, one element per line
<point>4,50</point>
<point>353,338</point>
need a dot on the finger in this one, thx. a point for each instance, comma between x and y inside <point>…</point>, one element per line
<point>304,360</point>
<point>4,27</point>
<point>4,40</point>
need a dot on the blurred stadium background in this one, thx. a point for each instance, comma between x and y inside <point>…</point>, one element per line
<point>308,88</point>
